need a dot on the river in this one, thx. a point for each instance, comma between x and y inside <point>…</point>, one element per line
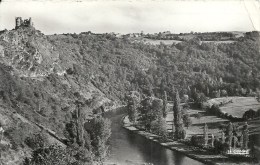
<point>127,148</point>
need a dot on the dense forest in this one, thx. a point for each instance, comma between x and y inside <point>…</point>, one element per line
<point>46,80</point>
<point>123,65</point>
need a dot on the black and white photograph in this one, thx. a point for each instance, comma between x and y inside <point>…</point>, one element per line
<point>129,82</point>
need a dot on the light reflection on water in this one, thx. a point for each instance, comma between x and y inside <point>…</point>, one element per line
<point>131,149</point>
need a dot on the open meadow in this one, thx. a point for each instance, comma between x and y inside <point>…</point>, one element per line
<point>196,128</point>
<point>235,106</point>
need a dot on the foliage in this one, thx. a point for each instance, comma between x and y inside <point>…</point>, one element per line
<point>37,140</point>
<point>177,120</point>
<point>132,106</point>
<point>159,127</point>
<point>250,114</point>
<point>214,110</point>
<point>199,98</point>
<point>245,134</point>
<point>198,115</point>
<point>157,108</point>
<point>165,110</point>
<point>194,140</point>
<point>100,133</point>
<point>229,133</point>
<point>110,66</point>
<point>50,155</point>
<point>70,131</point>
<point>187,120</point>
<point>205,133</point>
<point>150,110</point>
<point>220,147</point>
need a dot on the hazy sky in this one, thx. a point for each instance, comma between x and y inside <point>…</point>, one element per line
<point>69,16</point>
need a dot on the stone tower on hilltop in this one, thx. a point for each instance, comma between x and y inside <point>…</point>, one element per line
<point>20,22</point>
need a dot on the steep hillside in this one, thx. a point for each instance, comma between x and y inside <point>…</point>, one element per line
<point>45,79</point>
<point>39,90</point>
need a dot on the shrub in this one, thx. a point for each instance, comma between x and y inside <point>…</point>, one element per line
<point>37,140</point>
<point>195,141</point>
<point>250,114</point>
<point>53,154</point>
<point>159,127</point>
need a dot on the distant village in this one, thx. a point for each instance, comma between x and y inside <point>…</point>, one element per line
<point>165,35</point>
<point>168,35</point>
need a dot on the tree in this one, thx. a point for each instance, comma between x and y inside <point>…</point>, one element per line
<point>187,120</point>
<point>258,96</point>
<point>145,113</point>
<point>157,108</point>
<point>245,133</point>
<point>258,112</point>
<point>199,98</point>
<point>235,141</point>
<point>100,133</point>
<point>177,114</point>
<point>223,138</point>
<point>37,140</point>
<point>205,133</point>
<point>220,147</point>
<point>53,154</point>
<point>82,155</point>
<point>214,110</point>
<point>79,121</point>
<point>70,131</point>
<point>132,105</point>
<point>250,114</point>
<point>223,93</point>
<point>160,128</point>
<point>165,104</point>
<point>216,94</point>
<point>198,116</point>
<point>194,140</point>
<point>229,132</point>
<point>212,140</point>
<point>241,140</point>
<point>150,110</point>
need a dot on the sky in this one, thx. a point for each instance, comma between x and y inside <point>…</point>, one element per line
<point>122,16</point>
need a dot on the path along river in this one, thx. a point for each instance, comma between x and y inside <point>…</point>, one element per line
<point>127,148</point>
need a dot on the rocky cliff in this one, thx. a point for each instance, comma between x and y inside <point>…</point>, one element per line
<point>41,85</point>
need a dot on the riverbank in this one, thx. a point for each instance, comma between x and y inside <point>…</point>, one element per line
<point>195,153</point>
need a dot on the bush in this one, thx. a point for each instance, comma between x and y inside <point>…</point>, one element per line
<point>195,141</point>
<point>250,114</point>
<point>214,110</point>
<point>187,120</point>
<point>220,147</point>
<point>159,127</point>
<point>37,140</point>
<point>53,154</point>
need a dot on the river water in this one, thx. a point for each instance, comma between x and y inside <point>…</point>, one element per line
<point>127,148</point>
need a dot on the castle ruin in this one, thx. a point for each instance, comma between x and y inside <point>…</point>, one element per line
<point>20,22</point>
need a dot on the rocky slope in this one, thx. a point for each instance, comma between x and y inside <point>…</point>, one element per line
<point>44,79</point>
<point>40,88</point>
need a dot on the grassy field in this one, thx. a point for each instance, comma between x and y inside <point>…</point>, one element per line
<point>157,42</point>
<point>197,126</point>
<point>170,42</point>
<point>237,107</point>
<point>219,42</point>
